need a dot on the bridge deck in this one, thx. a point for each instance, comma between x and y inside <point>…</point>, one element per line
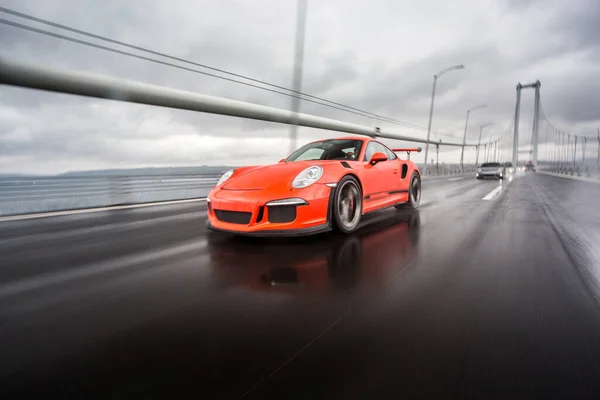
<point>474,297</point>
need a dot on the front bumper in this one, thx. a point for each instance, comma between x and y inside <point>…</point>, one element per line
<point>248,212</point>
<point>489,175</point>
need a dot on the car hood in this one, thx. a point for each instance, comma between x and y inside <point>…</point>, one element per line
<point>264,176</point>
<point>489,169</point>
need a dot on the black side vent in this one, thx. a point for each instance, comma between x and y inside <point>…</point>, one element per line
<point>404,170</point>
<point>346,165</point>
<point>260,215</point>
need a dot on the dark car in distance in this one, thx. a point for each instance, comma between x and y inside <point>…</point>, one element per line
<point>509,168</point>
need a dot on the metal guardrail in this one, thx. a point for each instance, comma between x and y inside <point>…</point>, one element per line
<point>579,169</point>
<point>446,169</point>
<point>25,195</point>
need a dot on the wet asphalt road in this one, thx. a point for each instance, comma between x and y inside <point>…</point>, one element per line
<point>467,298</point>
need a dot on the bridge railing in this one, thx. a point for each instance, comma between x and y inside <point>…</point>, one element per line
<point>446,169</point>
<point>37,194</point>
<point>587,169</point>
<point>24,195</point>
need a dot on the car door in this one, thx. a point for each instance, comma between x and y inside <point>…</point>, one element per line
<point>399,180</point>
<point>378,177</point>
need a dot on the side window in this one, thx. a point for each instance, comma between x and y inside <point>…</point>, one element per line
<point>376,147</point>
<point>391,155</point>
<point>371,149</point>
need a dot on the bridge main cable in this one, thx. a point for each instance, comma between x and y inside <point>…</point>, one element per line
<point>29,75</point>
<point>297,94</point>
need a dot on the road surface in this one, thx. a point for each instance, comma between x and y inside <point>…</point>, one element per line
<point>484,293</point>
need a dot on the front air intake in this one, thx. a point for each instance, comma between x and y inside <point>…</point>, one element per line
<point>233,217</point>
<point>281,214</point>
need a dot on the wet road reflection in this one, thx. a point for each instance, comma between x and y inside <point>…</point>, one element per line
<point>323,265</point>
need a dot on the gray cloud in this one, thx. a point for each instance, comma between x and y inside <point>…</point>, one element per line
<point>380,57</point>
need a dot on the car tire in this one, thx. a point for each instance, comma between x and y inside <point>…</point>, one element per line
<point>347,204</point>
<point>414,194</point>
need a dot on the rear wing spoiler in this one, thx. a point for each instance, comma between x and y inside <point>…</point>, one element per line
<point>408,150</point>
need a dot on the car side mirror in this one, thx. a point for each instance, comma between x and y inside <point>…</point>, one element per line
<point>378,157</point>
<point>282,160</point>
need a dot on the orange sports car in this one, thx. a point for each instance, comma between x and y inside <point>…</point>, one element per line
<point>324,185</point>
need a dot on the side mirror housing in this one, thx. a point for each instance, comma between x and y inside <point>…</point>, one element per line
<point>378,157</point>
<point>282,160</point>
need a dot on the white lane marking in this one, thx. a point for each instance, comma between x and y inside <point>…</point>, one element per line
<point>456,179</point>
<point>91,210</point>
<point>40,281</point>
<point>578,178</point>
<point>493,193</point>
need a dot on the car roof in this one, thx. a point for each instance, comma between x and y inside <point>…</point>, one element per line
<point>345,138</point>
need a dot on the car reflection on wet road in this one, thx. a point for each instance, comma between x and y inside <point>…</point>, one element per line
<point>321,265</point>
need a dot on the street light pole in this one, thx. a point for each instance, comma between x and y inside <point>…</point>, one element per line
<point>298,65</point>
<point>435,78</point>
<point>575,151</point>
<point>462,154</point>
<point>479,142</point>
<point>437,158</point>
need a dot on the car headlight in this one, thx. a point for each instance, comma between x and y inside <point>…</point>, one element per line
<point>225,176</point>
<point>307,177</point>
<point>478,169</point>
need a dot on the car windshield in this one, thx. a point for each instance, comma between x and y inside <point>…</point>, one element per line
<point>508,164</point>
<point>333,149</point>
<point>491,165</point>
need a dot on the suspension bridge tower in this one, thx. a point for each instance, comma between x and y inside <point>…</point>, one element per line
<point>536,122</point>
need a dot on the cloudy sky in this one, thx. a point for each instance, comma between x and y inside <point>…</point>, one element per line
<point>378,56</point>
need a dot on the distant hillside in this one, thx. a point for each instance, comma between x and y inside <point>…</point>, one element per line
<point>205,169</point>
<point>14,175</point>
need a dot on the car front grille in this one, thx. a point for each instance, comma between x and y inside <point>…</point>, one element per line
<point>281,214</point>
<point>233,217</point>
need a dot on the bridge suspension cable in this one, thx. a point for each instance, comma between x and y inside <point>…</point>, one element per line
<point>561,147</point>
<point>300,95</point>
